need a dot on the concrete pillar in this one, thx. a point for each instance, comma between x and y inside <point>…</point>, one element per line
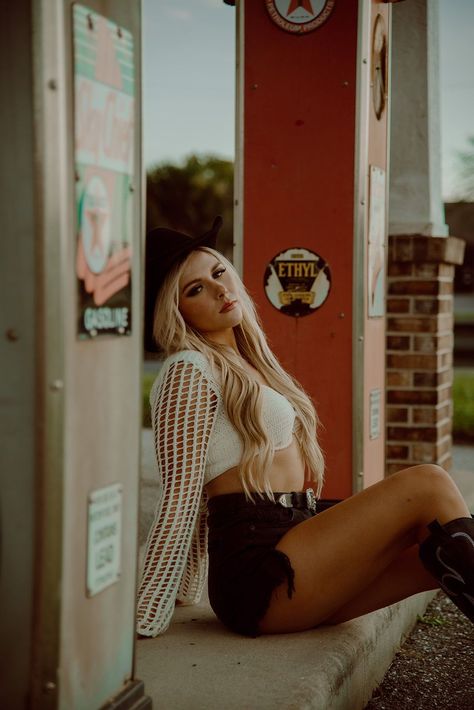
<point>416,205</point>
<point>421,255</point>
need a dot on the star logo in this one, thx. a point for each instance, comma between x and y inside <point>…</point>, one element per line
<point>299,16</point>
<point>297,4</point>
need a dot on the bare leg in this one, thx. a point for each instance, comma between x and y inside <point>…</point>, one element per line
<point>404,577</point>
<point>338,555</point>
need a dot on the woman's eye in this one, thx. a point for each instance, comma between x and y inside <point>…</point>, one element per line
<point>219,272</point>
<point>194,291</point>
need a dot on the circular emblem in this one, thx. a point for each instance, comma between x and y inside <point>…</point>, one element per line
<point>299,16</point>
<point>297,281</point>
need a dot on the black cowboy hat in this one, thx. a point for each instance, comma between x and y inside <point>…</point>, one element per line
<point>165,248</point>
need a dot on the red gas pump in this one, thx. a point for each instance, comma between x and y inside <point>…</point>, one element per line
<point>311,220</point>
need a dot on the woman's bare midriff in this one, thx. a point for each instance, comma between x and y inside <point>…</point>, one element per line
<point>286,474</point>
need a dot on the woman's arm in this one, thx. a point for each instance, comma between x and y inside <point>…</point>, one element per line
<point>195,571</point>
<point>183,416</point>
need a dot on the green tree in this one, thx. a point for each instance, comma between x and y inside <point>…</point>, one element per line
<point>188,196</point>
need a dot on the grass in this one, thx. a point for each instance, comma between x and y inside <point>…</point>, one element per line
<point>431,620</point>
<point>463,399</point>
<point>464,318</point>
<point>147,381</point>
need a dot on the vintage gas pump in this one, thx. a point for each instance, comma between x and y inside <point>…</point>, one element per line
<point>70,412</point>
<point>313,87</point>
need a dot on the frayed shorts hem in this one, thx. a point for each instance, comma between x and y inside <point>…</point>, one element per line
<point>244,566</point>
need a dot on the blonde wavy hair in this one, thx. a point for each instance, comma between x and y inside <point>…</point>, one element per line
<point>241,394</point>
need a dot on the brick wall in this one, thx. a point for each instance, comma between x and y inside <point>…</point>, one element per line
<point>420,349</point>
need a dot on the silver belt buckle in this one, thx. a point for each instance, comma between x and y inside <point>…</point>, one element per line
<point>285,500</point>
<point>310,499</point>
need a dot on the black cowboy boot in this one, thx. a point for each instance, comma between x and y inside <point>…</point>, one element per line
<point>448,554</point>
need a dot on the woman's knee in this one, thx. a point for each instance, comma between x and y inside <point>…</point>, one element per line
<point>426,479</point>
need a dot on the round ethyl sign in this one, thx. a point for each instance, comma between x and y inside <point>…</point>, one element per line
<point>299,16</point>
<point>297,281</point>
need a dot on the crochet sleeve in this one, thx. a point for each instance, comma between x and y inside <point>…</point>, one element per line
<point>195,571</point>
<point>183,416</point>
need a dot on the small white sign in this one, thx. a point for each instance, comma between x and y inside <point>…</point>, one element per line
<point>375,413</point>
<point>104,538</point>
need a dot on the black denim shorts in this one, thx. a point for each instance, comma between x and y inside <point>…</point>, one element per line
<point>244,566</point>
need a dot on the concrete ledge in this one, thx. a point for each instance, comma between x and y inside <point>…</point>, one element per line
<point>200,665</point>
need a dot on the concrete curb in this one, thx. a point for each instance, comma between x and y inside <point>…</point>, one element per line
<point>199,665</point>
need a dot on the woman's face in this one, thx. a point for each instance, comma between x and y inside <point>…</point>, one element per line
<point>208,297</point>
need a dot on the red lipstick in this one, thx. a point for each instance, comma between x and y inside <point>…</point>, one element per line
<point>227,306</point>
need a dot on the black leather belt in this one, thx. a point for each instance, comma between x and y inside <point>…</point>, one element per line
<point>306,499</point>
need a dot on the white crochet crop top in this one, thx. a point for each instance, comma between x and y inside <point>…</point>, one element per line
<point>194,442</point>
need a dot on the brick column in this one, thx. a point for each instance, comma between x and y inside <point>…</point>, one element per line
<point>419,349</point>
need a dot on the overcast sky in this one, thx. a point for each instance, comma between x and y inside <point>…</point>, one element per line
<point>456,20</point>
<point>189,67</point>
